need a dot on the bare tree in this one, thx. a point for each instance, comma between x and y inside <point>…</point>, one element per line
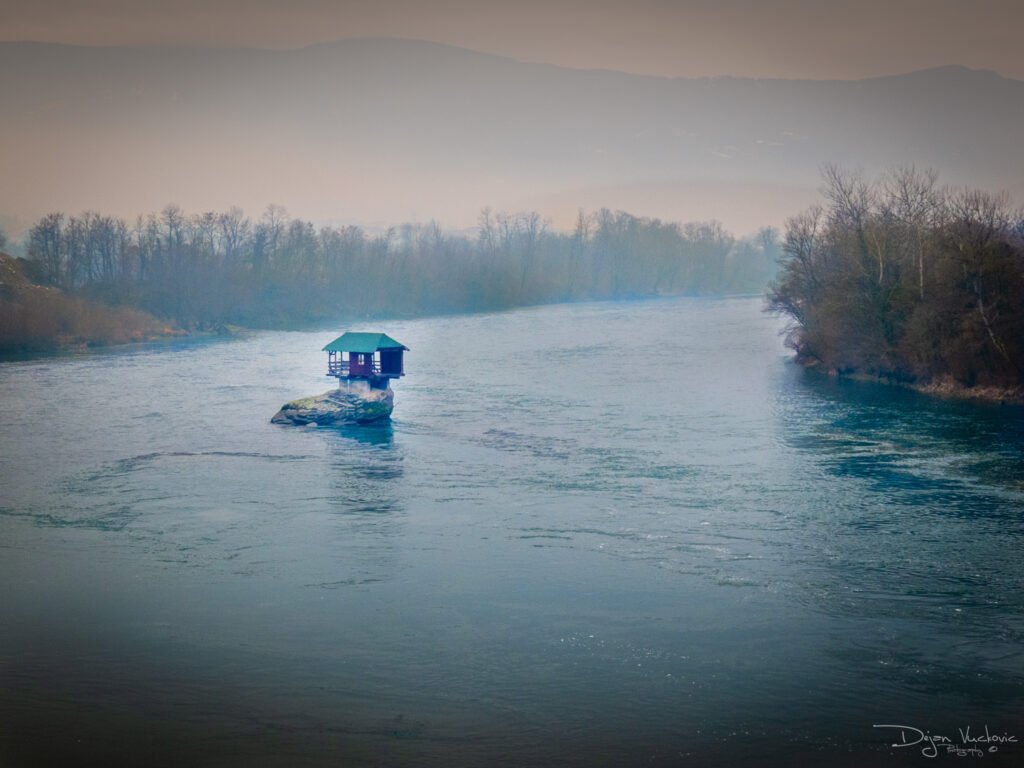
<point>234,230</point>
<point>979,232</point>
<point>853,199</point>
<point>487,235</point>
<point>530,227</point>
<point>580,238</point>
<point>915,202</point>
<point>274,221</point>
<point>45,245</point>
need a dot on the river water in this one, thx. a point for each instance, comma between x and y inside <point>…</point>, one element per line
<point>593,534</point>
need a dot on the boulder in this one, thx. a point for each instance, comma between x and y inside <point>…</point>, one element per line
<point>338,406</point>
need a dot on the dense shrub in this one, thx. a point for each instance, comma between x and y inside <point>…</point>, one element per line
<point>900,278</point>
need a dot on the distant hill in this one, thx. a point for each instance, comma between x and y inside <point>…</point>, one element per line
<point>386,130</point>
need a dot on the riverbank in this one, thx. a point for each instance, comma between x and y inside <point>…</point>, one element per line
<point>945,386</point>
<point>40,319</point>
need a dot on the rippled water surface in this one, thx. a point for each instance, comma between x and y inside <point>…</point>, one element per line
<point>598,534</point>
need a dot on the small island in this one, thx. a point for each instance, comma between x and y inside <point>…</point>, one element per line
<point>364,364</point>
<point>902,281</point>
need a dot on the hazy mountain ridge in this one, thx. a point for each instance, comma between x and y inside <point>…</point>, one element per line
<point>369,130</point>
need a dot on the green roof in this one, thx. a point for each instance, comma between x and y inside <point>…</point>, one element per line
<point>364,343</point>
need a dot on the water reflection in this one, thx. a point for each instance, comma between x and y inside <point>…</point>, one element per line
<point>365,504</point>
<point>365,463</point>
<point>380,433</point>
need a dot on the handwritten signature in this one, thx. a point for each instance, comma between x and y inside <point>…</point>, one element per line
<point>970,744</point>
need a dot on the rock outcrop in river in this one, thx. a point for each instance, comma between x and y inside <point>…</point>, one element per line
<point>338,406</point>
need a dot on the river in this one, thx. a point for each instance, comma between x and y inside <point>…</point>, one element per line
<point>593,534</point>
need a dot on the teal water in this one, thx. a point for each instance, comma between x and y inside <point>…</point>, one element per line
<point>596,534</point>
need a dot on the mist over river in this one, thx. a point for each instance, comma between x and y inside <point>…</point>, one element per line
<point>594,534</point>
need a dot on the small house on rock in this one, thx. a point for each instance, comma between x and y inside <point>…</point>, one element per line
<point>365,360</point>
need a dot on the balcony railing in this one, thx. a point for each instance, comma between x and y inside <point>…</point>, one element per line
<point>346,368</point>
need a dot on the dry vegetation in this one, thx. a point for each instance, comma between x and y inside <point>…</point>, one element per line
<point>34,318</point>
<point>900,279</point>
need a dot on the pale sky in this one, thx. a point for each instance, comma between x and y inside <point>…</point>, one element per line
<point>820,39</point>
<point>136,154</point>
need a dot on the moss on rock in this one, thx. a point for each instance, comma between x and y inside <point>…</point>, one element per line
<point>338,406</point>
